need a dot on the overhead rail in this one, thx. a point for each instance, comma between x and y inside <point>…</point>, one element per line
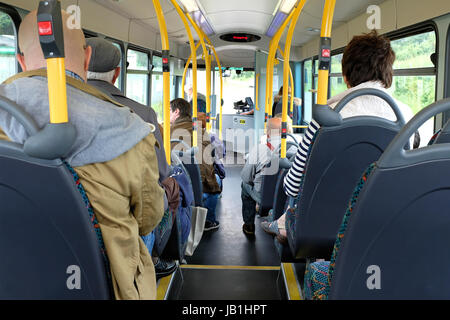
<point>286,69</point>
<point>166,76</point>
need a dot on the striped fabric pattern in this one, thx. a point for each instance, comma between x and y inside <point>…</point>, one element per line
<point>293,179</point>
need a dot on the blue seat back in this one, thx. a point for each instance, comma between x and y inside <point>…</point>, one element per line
<point>46,232</point>
<point>342,149</point>
<point>396,237</point>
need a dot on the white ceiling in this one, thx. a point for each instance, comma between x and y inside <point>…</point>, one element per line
<point>225,16</point>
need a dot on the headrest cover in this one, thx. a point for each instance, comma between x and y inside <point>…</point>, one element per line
<point>105,55</point>
<point>326,117</point>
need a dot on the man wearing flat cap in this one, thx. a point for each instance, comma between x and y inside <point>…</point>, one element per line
<point>104,70</point>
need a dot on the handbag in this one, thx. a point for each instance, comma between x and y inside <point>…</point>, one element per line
<point>197,227</point>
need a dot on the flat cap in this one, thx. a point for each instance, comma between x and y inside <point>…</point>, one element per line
<point>105,55</point>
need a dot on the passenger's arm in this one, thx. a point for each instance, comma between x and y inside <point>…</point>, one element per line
<point>293,178</point>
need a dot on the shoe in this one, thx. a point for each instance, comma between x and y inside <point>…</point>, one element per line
<point>164,268</point>
<point>211,225</point>
<point>249,229</point>
<point>269,218</point>
<point>270,227</point>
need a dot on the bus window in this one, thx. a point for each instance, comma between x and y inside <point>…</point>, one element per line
<point>137,76</point>
<point>307,85</point>
<point>8,65</point>
<point>415,75</point>
<point>337,84</point>
<point>157,87</point>
<point>236,87</point>
<point>413,87</point>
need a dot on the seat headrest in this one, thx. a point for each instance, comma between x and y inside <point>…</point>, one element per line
<point>326,117</point>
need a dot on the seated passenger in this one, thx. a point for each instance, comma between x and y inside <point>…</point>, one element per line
<point>278,106</point>
<point>181,128</point>
<point>104,70</point>
<point>114,155</point>
<point>201,99</point>
<point>367,63</point>
<point>252,174</point>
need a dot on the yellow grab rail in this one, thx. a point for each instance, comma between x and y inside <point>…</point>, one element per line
<point>221,81</point>
<point>325,52</point>
<point>270,65</point>
<point>206,55</point>
<point>257,89</point>
<point>292,85</point>
<point>57,90</point>
<point>286,68</point>
<point>193,57</point>
<point>166,76</point>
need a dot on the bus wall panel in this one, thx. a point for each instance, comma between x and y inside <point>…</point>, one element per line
<point>414,11</point>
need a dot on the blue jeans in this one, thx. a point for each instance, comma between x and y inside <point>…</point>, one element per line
<point>149,241</point>
<point>210,202</point>
<point>249,199</point>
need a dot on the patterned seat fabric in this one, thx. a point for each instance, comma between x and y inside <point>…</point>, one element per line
<point>434,137</point>
<point>291,215</point>
<point>93,220</point>
<point>319,274</point>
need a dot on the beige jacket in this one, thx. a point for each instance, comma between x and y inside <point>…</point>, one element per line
<point>128,202</point>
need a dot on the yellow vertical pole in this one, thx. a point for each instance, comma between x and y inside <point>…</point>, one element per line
<point>208,91</point>
<point>292,85</point>
<point>257,91</point>
<point>57,91</point>
<point>221,81</point>
<point>166,76</point>
<point>286,68</point>
<point>270,64</point>
<point>205,53</point>
<point>193,57</point>
<point>325,52</point>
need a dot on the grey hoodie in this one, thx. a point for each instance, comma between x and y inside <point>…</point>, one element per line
<point>104,131</point>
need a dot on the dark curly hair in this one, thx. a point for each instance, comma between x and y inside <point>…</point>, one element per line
<point>368,57</point>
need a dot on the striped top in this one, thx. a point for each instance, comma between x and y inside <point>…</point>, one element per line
<point>293,178</point>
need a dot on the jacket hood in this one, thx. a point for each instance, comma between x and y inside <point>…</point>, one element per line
<point>104,131</point>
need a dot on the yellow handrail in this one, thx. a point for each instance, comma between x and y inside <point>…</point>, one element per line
<point>57,90</point>
<point>270,64</point>
<point>257,89</point>
<point>166,76</point>
<point>292,85</point>
<point>286,68</point>
<point>186,67</point>
<point>221,81</point>
<point>325,51</point>
<point>206,54</point>
<point>193,57</point>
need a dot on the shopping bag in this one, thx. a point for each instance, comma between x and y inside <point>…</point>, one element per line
<point>197,227</point>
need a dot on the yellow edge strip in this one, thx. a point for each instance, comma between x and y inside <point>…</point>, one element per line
<point>291,282</point>
<point>163,286</point>
<point>194,266</point>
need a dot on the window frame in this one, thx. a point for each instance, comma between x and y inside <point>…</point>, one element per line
<point>16,19</point>
<point>147,72</point>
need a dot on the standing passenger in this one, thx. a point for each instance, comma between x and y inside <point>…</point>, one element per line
<point>113,154</point>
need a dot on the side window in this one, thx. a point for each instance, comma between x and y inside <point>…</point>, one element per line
<point>337,84</point>
<point>8,64</point>
<point>307,86</point>
<point>157,87</point>
<point>138,76</point>
<point>414,81</point>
